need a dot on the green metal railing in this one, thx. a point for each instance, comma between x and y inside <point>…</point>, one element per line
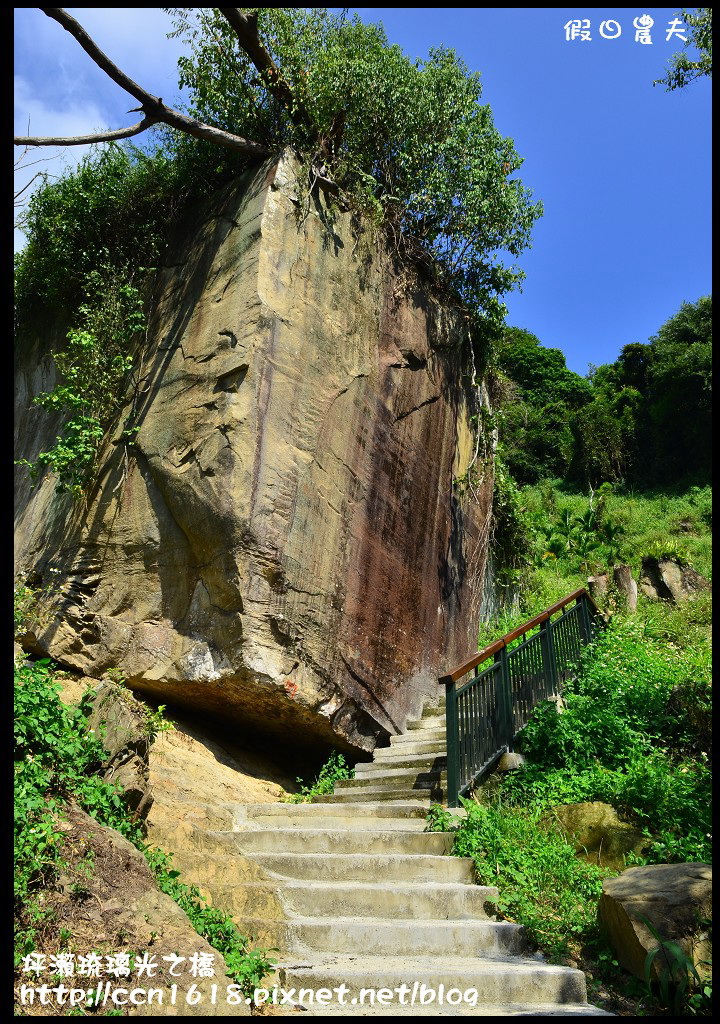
<point>485,713</point>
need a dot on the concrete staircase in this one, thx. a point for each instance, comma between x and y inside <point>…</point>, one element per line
<point>354,893</point>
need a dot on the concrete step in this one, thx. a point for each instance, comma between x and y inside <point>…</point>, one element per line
<point>398,900</point>
<point>434,708</point>
<point>361,867</point>
<point>423,761</point>
<point>425,778</point>
<point>310,937</point>
<point>431,723</point>
<point>326,840</point>
<point>491,979</point>
<point>393,816</point>
<point>486,1010</point>
<point>434,743</point>
<point>385,791</point>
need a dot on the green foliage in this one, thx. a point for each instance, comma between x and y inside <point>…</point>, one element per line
<point>542,884</point>
<point>107,214</point>
<point>681,986</point>
<point>536,433</point>
<point>408,142</point>
<point>620,739</point>
<point>56,759</point>
<point>92,370</point>
<point>246,966</point>
<point>334,769</point>
<point>91,237</point>
<point>511,537</point>
<point>24,598</point>
<point>644,419</point>
<point>683,69</point>
<point>439,819</point>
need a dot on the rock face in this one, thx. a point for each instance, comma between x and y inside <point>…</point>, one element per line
<point>667,579</point>
<point>674,898</point>
<point>283,545</point>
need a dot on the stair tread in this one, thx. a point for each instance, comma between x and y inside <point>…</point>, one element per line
<point>425,965</point>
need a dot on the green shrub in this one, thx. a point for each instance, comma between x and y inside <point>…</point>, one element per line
<point>620,739</point>
<point>334,769</point>
<point>57,760</point>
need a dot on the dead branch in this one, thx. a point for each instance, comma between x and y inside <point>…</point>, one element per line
<point>152,106</point>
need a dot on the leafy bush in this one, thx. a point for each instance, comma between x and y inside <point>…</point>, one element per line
<point>335,768</point>
<point>57,760</point>
<point>620,739</point>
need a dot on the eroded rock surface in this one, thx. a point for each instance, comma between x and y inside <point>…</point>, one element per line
<point>283,545</point>
<point>108,902</point>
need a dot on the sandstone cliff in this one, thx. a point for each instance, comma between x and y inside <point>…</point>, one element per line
<point>283,545</point>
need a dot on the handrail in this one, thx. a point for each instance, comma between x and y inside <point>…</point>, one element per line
<point>493,648</point>
<point>484,715</point>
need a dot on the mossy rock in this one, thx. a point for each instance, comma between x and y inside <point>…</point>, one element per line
<point>598,834</point>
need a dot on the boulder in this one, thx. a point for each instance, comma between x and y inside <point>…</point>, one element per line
<point>674,898</point>
<point>119,722</point>
<point>282,545</point>
<point>599,836</point>
<point>509,761</point>
<point>668,579</point>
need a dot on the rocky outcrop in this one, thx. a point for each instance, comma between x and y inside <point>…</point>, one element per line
<point>282,546</point>
<point>120,723</point>
<point>674,898</point>
<point>670,580</point>
<point>108,900</point>
<point>599,836</point>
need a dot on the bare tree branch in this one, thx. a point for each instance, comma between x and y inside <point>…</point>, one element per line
<point>245,28</point>
<point>84,140</point>
<point>152,106</point>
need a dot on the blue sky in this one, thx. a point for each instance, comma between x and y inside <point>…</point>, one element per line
<point>622,167</point>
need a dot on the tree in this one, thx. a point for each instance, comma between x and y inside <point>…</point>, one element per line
<point>682,69</point>
<point>536,430</point>
<point>407,142</point>
<point>680,392</point>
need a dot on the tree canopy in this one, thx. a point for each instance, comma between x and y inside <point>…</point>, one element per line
<point>683,69</point>
<point>406,144</point>
<point>644,419</point>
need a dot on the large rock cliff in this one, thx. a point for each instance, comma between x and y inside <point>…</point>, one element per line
<point>285,544</point>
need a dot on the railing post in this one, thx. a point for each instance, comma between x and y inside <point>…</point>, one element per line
<point>585,619</point>
<point>452,741</point>
<point>548,652</point>
<point>505,694</point>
